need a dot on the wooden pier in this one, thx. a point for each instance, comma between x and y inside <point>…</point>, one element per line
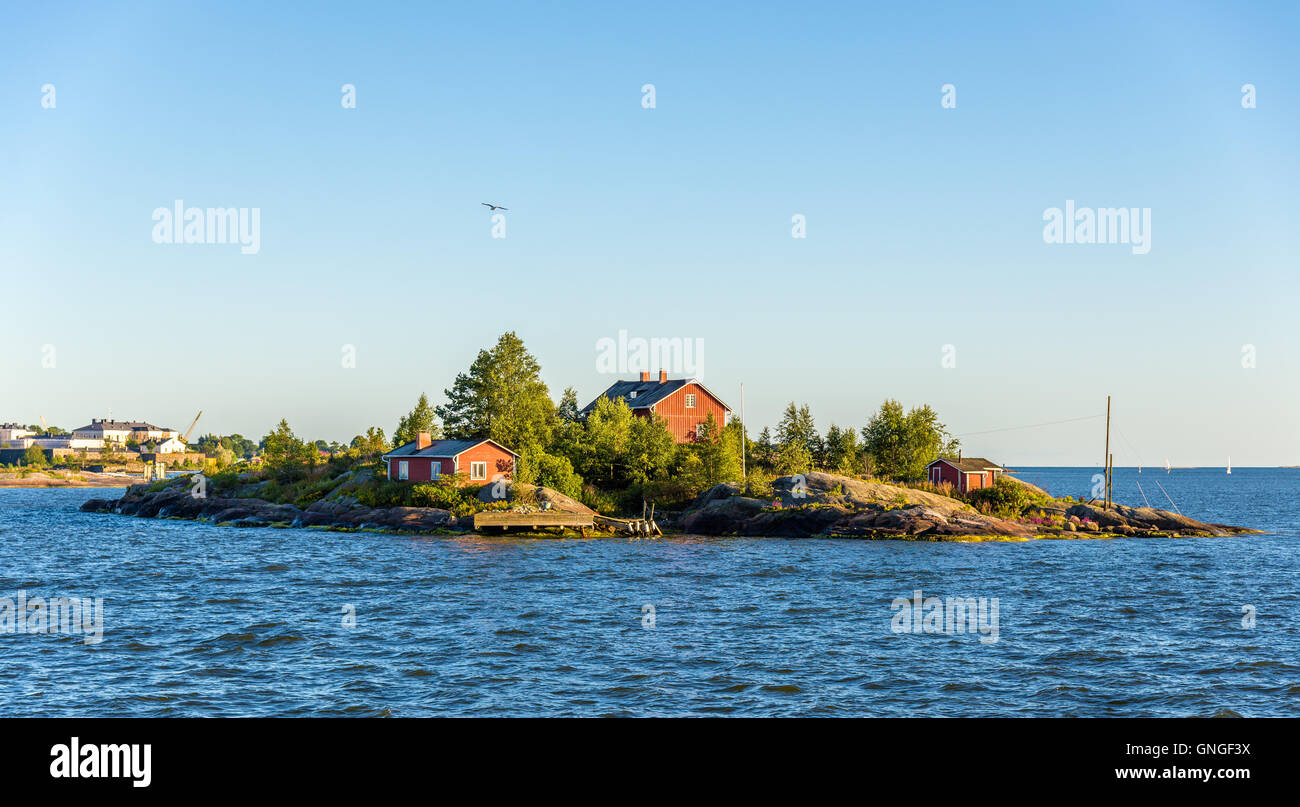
<point>503,520</point>
<point>582,522</point>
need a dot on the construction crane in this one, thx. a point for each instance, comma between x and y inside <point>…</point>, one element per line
<point>45,426</point>
<point>190,430</point>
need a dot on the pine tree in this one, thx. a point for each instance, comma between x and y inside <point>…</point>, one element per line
<point>419,419</point>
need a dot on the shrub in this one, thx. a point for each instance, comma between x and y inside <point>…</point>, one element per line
<point>1004,499</point>
<point>385,494</point>
<point>759,484</point>
<point>665,493</point>
<point>555,472</point>
<point>599,500</point>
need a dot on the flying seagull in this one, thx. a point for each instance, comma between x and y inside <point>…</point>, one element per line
<point>493,207</point>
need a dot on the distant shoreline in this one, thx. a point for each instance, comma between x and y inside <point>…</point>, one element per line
<point>74,479</point>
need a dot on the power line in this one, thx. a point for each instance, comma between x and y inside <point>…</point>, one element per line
<point>1031,426</point>
<point>1129,444</point>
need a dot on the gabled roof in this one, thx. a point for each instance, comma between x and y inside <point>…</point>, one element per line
<point>443,448</point>
<point>970,464</point>
<point>648,393</point>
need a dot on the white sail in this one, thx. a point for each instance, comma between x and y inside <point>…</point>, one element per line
<point>1229,463</point>
<point>1167,468</point>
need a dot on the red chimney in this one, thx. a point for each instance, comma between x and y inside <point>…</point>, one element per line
<point>422,441</point>
<point>645,375</point>
<point>663,376</point>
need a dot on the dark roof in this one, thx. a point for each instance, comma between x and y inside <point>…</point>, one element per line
<point>442,448</point>
<point>971,464</point>
<point>123,425</point>
<point>648,393</point>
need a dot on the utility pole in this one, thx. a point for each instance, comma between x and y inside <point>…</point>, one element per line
<point>1106,460</point>
<point>744,436</point>
<point>1109,485</point>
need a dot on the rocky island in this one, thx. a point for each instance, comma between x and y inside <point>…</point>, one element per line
<point>805,505</point>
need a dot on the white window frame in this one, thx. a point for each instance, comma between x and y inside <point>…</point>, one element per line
<point>435,469</point>
<point>403,469</point>
<point>475,465</point>
<point>690,400</point>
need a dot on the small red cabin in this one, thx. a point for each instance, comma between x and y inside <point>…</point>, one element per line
<point>424,459</point>
<point>683,404</point>
<point>971,473</point>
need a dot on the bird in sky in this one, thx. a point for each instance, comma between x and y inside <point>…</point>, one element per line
<point>493,207</point>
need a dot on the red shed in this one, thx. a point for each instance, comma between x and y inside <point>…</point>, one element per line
<point>424,459</point>
<point>971,473</point>
<point>683,403</point>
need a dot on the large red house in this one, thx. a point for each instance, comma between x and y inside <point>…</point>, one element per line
<point>971,473</point>
<point>424,459</point>
<point>683,404</point>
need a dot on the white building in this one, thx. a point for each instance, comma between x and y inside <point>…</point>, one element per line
<point>12,431</point>
<point>119,431</point>
<point>172,445</point>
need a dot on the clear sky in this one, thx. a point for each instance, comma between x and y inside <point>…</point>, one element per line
<point>924,224</point>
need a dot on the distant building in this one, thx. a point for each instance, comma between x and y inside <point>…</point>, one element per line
<point>682,403</point>
<point>64,441</point>
<point>119,431</point>
<point>172,445</point>
<point>13,433</point>
<point>971,473</point>
<point>424,459</point>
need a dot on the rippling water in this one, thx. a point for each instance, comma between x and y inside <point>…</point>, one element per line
<point>203,620</point>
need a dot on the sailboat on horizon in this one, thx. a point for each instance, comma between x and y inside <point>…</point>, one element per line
<point>1229,463</point>
<point>1168,467</point>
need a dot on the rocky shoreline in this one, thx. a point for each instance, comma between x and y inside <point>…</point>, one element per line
<point>819,504</point>
<point>811,505</point>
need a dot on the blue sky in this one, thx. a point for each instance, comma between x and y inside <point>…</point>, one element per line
<point>924,224</point>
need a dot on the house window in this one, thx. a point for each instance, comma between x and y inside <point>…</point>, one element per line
<point>478,470</point>
<point>690,401</point>
<point>435,469</point>
<point>403,469</point>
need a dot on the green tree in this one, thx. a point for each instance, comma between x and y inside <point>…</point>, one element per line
<point>34,457</point>
<point>651,448</point>
<point>283,453</point>
<point>567,428</point>
<point>550,471</point>
<point>765,449</point>
<point>797,442</point>
<point>371,444</point>
<point>719,453</point>
<point>901,444</point>
<point>419,419</point>
<point>502,397</point>
<point>607,440</point>
<point>843,453</point>
<point>567,410</point>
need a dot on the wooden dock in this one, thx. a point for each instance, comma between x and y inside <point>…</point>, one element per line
<point>503,520</point>
<point>582,522</point>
